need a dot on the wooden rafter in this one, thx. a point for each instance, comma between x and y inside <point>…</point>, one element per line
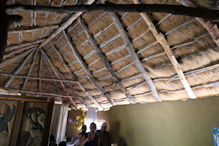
<point>56,74</point>
<point>163,42</point>
<point>20,67</point>
<point>31,29</point>
<point>105,61</point>
<point>40,71</point>
<point>63,26</point>
<point>11,48</point>
<point>30,69</point>
<point>110,7</point>
<point>134,56</point>
<point>85,67</point>
<point>208,25</point>
<point>73,76</point>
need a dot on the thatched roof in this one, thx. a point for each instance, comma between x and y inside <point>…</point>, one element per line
<point>113,75</point>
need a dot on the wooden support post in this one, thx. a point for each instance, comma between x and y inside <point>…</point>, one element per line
<point>7,84</point>
<point>17,124</point>
<point>73,76</point>
<point>211,27</point>
<point>105,61</point>
<point>85,67</point>
<point>161,39</point>
<point>47,125</point>
<point>110,7</point>
<point>134,56</point>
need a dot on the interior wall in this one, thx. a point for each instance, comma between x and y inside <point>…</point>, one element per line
<point>181,123</point>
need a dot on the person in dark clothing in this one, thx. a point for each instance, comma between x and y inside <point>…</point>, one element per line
<point>63,143</point>
<point>104,136</point>
<point>83,132</point>
<point>92,139</point>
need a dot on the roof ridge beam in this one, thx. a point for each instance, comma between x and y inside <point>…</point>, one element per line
<point>163,42</point>
<point>110,7</point>
<point>85,67</point>
<point>105,60</point>
<point>134,56</point>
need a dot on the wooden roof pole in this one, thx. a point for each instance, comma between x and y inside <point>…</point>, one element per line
<point>57,75</point>
<point>208,25</point>
<point>10,60</point>
<point>134,56</point>
<point>161,39</point>
<point>30,29</point>
<point>40,71</point>
<point>63,26</point>
<point>105,61</point>
<point>20,67</point>
<point>111,7</point>
<point>85,67</point>
<point>30,70</point>
<point>79,84</point>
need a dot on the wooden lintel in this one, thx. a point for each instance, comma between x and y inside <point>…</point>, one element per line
<point>134,56</point>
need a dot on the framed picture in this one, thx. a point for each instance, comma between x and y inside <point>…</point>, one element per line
<point>33,120</point>
<point>7,115</point>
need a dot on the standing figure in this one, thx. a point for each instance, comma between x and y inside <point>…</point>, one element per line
<point>104,136</point>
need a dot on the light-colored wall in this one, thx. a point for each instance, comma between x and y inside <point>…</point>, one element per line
<point>178,123</point>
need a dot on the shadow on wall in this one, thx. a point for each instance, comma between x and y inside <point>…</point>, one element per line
<point>116,137</point>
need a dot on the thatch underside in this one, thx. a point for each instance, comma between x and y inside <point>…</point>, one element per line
<point>121,82</point>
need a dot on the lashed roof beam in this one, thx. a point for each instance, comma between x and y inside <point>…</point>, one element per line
<point>30,70</point>
<point>85,67</point>
<point>56,74</point>
<point>38,78</point>
<point>17,71</point>
<point>11,48</point>
<point>163,42</point>
<point>73,76</point>
<point>211,27</point>
<point>40,71</point>
<point>31,29</point>
<point>134,56</point>
<point>12,53</point>
<point>10,60</point>
<point>63,26</point>
<point>173,9</point>
<point>105,61</point>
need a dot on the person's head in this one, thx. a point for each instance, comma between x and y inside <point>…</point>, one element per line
<point>84,128</point>
<point>104,126</point>
<point>93,127</point>
<point>63,143</point>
